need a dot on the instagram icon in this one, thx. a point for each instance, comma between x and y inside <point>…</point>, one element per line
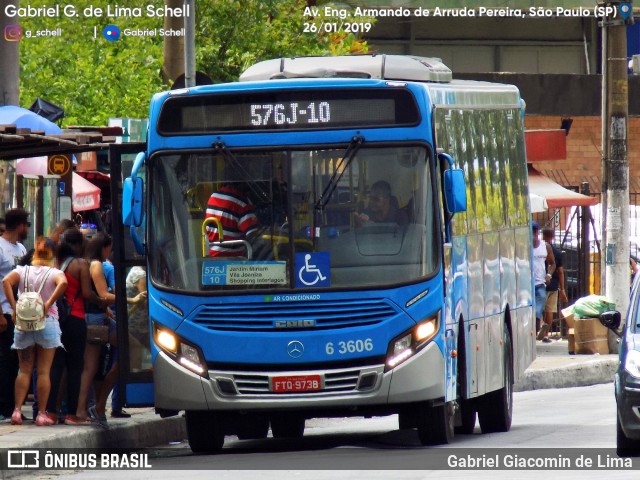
<point>13,33</point>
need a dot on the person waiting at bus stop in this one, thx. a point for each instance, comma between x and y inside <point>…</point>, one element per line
<point>97,251</point>
<point>555,287</point>
<point>543,268</point>
<point>231,206</point>
<point>36,348</point>
<point>382,208</point>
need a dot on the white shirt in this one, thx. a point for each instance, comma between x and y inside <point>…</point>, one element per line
<point>539,267</point>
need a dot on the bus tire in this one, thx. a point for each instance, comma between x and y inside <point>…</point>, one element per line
<point>435,424</point>
<point>286,425</point>
<point>205,431</point>
<point>495,409</point>
<point>253,427</point>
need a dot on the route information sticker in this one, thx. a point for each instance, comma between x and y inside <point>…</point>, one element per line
<point>244,273</point>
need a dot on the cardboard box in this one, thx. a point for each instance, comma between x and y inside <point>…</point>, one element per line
<point>571,345</point>
<point>567,316</point>
<point>590,336</point>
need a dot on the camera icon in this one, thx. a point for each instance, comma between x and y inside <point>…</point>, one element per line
<point>13,33</point>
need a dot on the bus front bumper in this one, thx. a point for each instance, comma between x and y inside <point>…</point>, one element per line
<point>420,378</point>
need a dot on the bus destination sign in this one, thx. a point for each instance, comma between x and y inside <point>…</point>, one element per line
<point>289,110</point>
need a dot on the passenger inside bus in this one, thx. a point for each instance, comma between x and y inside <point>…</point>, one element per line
<point>383,207</point>
<point>231,206</point>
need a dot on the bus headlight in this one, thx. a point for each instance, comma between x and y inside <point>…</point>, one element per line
<point>167,341</point>
<point>406,345</point>
<point>180,351</point>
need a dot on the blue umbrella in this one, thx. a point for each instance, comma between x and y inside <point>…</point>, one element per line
<point>23,118</point>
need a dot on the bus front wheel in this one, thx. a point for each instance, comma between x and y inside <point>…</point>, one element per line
<point>205,431</point>
<point>435,424</point>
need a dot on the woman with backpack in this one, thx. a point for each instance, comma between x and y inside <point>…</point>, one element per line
<point>37,333</point>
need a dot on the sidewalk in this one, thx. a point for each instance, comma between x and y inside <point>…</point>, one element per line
<point>553,368</point>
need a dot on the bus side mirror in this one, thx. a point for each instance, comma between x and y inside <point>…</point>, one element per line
<point>455,190</point>
<point>132,201</point>
<point>132,194</point>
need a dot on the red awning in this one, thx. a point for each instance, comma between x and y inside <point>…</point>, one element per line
<point>546,145</point>
<point>556,195</point>
<point>86,196</point>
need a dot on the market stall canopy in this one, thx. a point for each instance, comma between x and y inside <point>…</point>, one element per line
<point>84,194</point>
<point>556,195</point>
<point>538,203</point>
<point>23,118</point>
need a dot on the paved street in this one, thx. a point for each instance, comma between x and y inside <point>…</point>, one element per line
<point>583,418</point>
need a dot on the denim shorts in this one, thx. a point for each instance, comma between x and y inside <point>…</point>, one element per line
<point>540,299</point>
<point>99,319</point>
<point>48,337</point>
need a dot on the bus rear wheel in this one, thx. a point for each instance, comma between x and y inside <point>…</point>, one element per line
<point>205,431</point>
<point>284,425</point>
<point>495,409</point>
<point>435,424</point>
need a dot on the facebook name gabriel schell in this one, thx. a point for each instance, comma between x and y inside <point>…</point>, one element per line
<point>113,33</point>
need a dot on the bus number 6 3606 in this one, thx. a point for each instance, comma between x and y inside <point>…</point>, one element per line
<point>349,346</point>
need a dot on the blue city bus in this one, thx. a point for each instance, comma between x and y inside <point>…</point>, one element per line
<point>388,270</point>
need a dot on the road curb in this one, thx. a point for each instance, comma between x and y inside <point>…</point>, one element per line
<point>146,431</point>
<point>579,375</point>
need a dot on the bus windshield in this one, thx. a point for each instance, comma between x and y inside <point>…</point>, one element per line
<point>292,219</point>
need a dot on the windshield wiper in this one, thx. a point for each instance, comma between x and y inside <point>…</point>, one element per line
<point>221,148</point>
<point>347,158</point>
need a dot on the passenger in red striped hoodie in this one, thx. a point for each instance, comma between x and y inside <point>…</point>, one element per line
<point>236,214</point>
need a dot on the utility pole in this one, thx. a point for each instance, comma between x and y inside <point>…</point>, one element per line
<point>615,163</point>
<point>173,46</point>
<point>9,59</point>
<point>190,45</point>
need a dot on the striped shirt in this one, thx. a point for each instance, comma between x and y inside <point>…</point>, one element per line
<point>238,219</point>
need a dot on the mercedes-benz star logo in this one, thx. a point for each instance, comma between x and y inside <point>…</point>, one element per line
<point>295,349</point>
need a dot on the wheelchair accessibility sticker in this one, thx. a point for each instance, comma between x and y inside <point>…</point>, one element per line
<point>313,270</point>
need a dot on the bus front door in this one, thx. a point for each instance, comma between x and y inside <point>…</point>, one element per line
<point>135,383</point>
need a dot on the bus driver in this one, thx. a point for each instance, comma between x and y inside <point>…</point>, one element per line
<point>383,207</point>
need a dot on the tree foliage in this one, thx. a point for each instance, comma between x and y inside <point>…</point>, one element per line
<point>234,34</point>
<point>94,79</point>
<point>91,78</point>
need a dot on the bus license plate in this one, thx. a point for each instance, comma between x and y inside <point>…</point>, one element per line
<point>297,383</point>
